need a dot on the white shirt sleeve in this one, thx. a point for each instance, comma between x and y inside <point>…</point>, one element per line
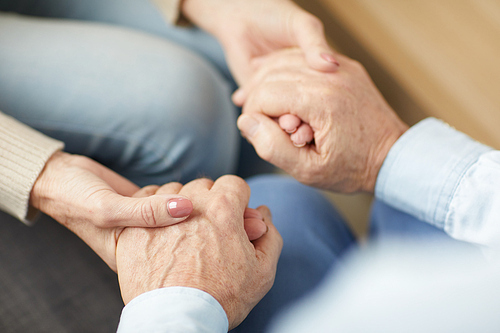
<point>447,179</point>
<point>174,310</point>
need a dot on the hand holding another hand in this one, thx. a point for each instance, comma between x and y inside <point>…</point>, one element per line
<point>353,126</point>
<point>209,251</point>
<point>96,203</point>
<point>248,30</point>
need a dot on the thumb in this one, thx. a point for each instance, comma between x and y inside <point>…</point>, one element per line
<point>310,37</point>
<point>270,244</point>
<point>158,210</point>
<point>270,142</point>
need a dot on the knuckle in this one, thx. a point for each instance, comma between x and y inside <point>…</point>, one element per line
<point>235,181</point>
<point>358,66</point>
<point>196,185</point>
<point>206,182</point>
<point>102,217</point>
<point>148,214</point>
<point>308,19</point>
<point>257,98</point>
<point>315,22</point>
<point>102,222</point>
<point>169,188</point>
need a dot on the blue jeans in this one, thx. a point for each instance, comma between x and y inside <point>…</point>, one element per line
<point>117,83</point>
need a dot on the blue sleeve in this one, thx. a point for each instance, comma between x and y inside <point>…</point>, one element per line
<point>445,178</point>
<point>174,310</point>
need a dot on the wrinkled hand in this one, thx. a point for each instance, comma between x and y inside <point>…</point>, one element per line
<point>96,203</point>
<point>254,224</point>
<point>210,251</point>
<point>354,127</point>
<point>248,30</point>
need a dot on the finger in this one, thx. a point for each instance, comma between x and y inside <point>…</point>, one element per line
<point>197,186</point>
<point>289,123</point>
<point>119,183</point>
<point>310,37</point>
<point>170,188</point>
<point>158,210</point>
<point>275,99</point>
<point>270,142</point>
<point>236,190</point>
<point>279,65</point>
<point>239,62</point>
<point>254,224</point>
<point>146,191</point>
<point>255,228</point>
<point>239,97</point>
<point>302,136</point>
<point>268,247</point>
<point>251,213</point>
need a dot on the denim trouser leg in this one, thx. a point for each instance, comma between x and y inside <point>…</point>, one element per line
<point>140,15</point>
<point>314,239</point>
<point>151,109</point>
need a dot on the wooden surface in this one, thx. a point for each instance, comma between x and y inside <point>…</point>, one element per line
<point>428,57</point>
<point>441,54</point>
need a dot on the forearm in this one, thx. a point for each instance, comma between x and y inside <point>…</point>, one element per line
<point>447,179</point>
<point>24,153</point>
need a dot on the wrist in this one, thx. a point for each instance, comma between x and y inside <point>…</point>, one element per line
<point>380,153</point>
<point>41,188</point>
<point>202,13</point>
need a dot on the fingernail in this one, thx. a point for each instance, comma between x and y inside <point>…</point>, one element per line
<point>248,125</point>
<point>297,140</point>
<point>264,229</point>
<point>329,58</point>
<point>179,207</point>
<point>258,230</point>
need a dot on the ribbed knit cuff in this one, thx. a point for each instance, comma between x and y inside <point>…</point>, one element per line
<point>23,154</point>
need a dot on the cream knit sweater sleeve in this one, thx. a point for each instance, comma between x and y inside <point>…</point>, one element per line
<point>23,154</point>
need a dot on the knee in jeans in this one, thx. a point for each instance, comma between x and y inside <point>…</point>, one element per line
<point>191,128</point>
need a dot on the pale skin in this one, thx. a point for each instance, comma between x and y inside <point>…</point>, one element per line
<point>97,204</point>
<point>223,247</point>
<point>248,30</point>
<point>354,127</point>
<point>209,251</point>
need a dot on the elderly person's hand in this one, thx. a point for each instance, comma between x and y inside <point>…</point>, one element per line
<point>248,29</point>
<point>210,251</point>
<point>354,127</point>
<point>96,203</point>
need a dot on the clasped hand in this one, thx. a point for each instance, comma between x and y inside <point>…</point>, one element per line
<point>353,126</point>
<point>209,251</point>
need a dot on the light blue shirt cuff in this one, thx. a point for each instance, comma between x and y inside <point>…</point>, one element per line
<point>423,169</point>
<point>174,310</point>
